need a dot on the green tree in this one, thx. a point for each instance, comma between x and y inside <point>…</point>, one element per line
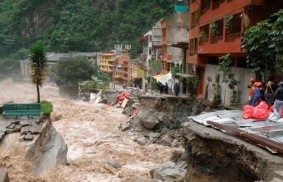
<point>38,62</point>
<point>257,41</point>
<point>72,71</point>
<point>277,37</point>
<point>175,70</point>
<point>155,67</point>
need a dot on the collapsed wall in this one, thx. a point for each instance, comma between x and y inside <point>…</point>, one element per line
<point>211,155</point>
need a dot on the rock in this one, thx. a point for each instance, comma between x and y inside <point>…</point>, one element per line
<point>175,143</point>
<point>4,176</point>
<point>12,126</point>
<point>125,126</point>
<point>138,179</point>
<point>2,134</point>
<point>25,123</point>
<point>141,140</point>
<point>166,140</point>
<point>127,111</point>
<point>114,163</point>
<point>150,122</point>
<point>169,172</point>
<point>26,129</point>
<point>48,150</point>
<point>28,136</point>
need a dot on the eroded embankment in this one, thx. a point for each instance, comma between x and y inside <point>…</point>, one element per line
<point>211,154</point>
<point>157,112</point>
<point>215,156</point>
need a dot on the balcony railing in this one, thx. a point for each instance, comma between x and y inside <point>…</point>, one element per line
<point>232,37</point>
<point>214,40</point>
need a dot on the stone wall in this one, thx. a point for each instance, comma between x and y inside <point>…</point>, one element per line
<point>157,112</point>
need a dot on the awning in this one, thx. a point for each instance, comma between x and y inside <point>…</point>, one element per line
<point>182,75</point>
<point>163,77</point>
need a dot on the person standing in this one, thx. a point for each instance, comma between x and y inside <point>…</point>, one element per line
<point>161,87</point>
<point>251,89</point>
<point>176,89</point>
<point>166,88</point>
<point>256,98</point>
<point>278,104</point>
<point>268,94</point>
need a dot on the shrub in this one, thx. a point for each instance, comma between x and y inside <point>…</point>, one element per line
<point>46,107</point>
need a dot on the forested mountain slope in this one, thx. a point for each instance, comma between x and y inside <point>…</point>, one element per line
<point>76,25</point>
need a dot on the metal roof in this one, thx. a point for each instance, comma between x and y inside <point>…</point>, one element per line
<point>264,133</point>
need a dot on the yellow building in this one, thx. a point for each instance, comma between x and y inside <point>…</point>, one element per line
<point>106,61</point>
<point>137,71</point>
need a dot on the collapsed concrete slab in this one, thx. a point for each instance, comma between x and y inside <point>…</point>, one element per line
<point>37,142</point>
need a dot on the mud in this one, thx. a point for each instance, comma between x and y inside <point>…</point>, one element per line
<point>93,137</point>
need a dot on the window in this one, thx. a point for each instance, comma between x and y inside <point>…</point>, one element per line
<point>195,18</point>
<point>216,28</point>
<point>205,4</point>
<point>204,32</point>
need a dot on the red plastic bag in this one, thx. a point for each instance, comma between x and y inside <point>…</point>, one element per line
<point>262,105</point>
<point>248,111</point>
<point>260,113</point>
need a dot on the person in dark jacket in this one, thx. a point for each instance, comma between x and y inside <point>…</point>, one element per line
<point>268,94</point>
<point>161,87</point>
<point>176,89</point>
<point>166,88</point>
<point>278,104</point>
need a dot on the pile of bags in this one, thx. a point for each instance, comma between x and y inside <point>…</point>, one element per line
<point>260,112</point>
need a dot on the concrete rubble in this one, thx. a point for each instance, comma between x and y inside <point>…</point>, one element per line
<point>44,147</point>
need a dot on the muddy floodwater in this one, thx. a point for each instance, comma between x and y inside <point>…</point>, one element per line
<point>97,149</point>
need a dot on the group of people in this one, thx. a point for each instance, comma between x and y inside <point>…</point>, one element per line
<point>165,88</point>
<point>259,92</point>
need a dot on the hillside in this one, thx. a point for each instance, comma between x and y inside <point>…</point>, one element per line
<point>76,25</point>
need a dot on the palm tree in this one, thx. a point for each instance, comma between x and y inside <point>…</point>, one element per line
<point>38,60</point>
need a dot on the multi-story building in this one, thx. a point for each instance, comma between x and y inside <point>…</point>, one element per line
<point>122,69</point>
<point>216,29</point>
<point>115,63</point>
<point>151,50</point>
<point>174,30</point>
<point>137,71</point>
<point>106,61</point>
<point>54,58</point>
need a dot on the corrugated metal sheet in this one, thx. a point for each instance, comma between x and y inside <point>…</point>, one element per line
<point>266,132</point>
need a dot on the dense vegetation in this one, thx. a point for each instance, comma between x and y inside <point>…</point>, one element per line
<point>71,71</point>
<point>263,43</point>
<point>74,25</point>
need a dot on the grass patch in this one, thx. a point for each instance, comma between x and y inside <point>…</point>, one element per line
<point>46,107</point>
